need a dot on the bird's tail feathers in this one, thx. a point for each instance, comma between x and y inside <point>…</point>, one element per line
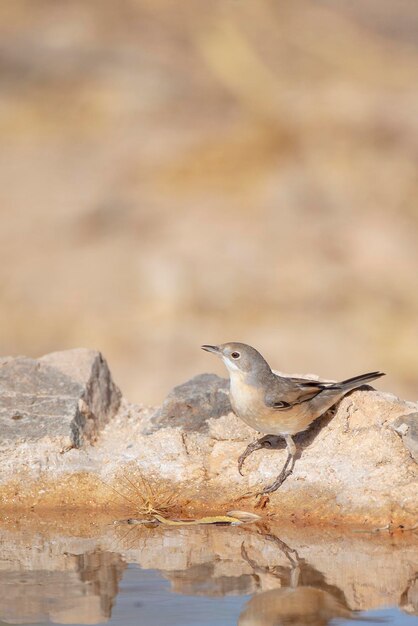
<point>357,381</point>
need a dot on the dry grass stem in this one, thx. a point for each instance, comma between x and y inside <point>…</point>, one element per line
<point>147,500</point>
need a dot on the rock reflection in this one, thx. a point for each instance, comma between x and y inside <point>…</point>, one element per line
<point>302,577</point>
<point>203,580</point>
<point>360,571</point>
<point>409,598</point>
<point>58,586</point>
<point>302,595</point>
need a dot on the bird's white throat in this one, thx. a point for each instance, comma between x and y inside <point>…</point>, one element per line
<point>231,366</point>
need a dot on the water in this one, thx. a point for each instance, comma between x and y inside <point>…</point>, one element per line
<point>251,575</point>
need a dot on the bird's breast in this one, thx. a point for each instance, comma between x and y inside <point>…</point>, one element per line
<point>249,405</point>
<point>245,399</point>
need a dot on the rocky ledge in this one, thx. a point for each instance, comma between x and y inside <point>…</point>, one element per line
<point>67,439</point>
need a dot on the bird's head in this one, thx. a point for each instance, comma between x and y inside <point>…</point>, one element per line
<point>239,358</point>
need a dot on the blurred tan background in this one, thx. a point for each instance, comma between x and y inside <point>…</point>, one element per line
<point>175,173</point>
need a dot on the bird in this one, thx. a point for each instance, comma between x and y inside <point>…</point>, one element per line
<point>276,405</point>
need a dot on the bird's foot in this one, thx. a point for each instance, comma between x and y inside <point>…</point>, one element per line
<point>244,455</point>
<point>268,441</point>
<point>241,462</point>
<point>284,474</point>
<point>248,450</point>
<point>277,483</point>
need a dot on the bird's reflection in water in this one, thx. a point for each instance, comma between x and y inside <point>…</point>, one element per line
<point>303,598</point>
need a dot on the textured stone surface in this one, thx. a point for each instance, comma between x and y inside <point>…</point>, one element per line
<point>407,427</point>
<point>67,396</point>
<point>191,404</point>
<point>353,467</point>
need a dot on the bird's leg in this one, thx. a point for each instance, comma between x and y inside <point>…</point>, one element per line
<point>286,471</point>
<point>268,441</point>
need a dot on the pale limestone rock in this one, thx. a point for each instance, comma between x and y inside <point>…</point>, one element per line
<point>407,427</point>
<point>191,404</point>
<point>65,396</point>
<point>353,467</point>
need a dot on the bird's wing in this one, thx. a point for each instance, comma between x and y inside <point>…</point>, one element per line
<point>308,382</point>
<point>283,393</point>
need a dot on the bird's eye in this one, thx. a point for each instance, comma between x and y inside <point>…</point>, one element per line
<point>235,355</point>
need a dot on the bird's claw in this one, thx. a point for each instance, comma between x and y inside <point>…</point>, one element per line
<point>277,483</point>
<point>248,450</point>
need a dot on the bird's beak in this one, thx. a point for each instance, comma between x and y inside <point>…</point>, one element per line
<point>215,349</point>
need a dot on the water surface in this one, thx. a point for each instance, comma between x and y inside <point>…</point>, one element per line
<point>252,575</point>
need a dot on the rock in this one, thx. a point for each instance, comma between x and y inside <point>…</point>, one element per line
<point>353,468</point>
<point>407,427</point>
<point>64,396</point>
<point>191,404</point>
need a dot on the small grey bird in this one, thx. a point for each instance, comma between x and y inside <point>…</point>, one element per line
<point>277,405</point>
